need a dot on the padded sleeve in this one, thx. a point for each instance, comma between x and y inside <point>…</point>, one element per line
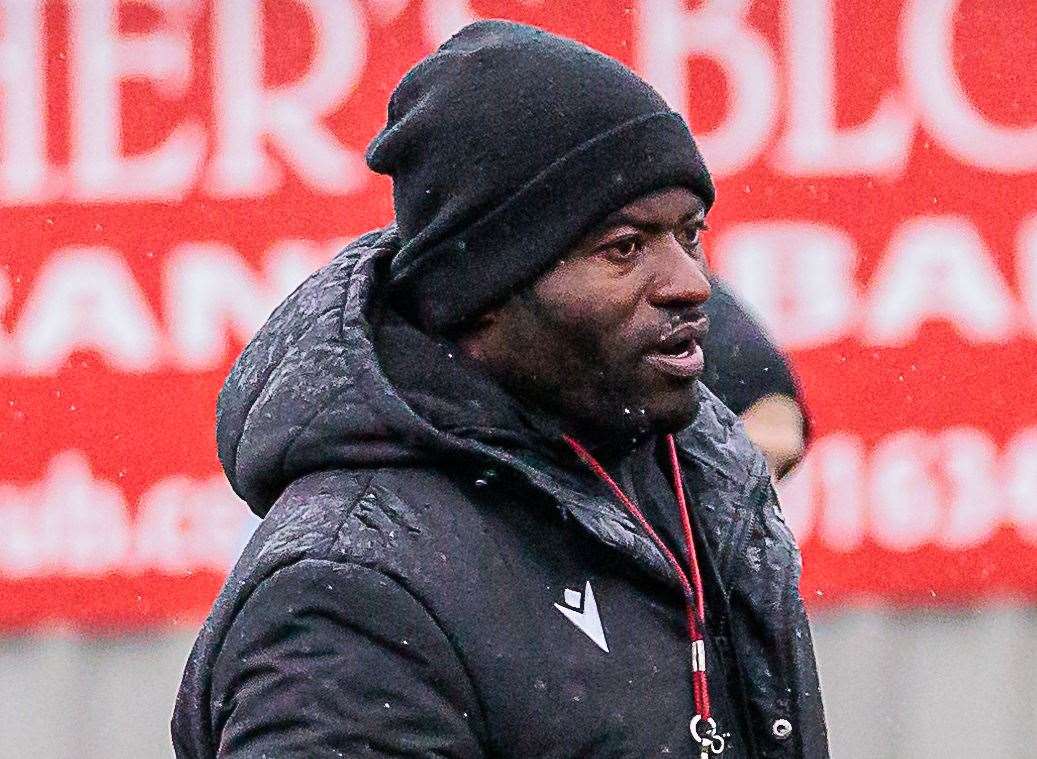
<point>327,659</point>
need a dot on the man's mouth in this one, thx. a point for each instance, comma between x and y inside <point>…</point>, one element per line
<point>679,354</point>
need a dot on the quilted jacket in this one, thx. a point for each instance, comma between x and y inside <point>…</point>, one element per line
<point>436,575</point>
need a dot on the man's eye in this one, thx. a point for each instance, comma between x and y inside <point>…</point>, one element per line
<point>692,235</point>
<point>623,250</point>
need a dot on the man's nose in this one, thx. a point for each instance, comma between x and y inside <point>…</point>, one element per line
<point>680,278</point>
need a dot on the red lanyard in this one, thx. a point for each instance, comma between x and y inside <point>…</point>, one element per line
<point>694,598</point>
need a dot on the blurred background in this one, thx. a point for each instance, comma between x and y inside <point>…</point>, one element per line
<point>170,169</point>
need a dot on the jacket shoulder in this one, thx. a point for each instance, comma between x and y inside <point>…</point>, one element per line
<point>735,496</point>
<point>365,625</point>
<point>333,519</point>
<point>374,517</point>
<point>717,440</point>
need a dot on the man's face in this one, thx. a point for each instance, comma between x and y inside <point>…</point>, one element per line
<point>609,340</point>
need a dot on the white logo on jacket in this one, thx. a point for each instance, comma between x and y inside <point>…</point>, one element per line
<point>582,611</point>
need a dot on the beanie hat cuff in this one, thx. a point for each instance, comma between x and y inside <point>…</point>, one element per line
<point>514,243</point>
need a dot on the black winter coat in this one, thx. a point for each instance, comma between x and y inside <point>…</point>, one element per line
<point>435,576</point>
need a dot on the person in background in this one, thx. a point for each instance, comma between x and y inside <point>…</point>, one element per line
<point>755,380</point>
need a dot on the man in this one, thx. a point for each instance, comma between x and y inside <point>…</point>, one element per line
<point>501,517</point>
<point>749,374</point>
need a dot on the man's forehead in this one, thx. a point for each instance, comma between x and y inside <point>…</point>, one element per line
<point>671,204</point>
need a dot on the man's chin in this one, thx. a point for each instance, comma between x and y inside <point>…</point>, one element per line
<point>665,412</point>
<point>658,416</point>
<point>666,418</point>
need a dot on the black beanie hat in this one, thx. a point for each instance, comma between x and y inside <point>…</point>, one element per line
<point>505,147</point>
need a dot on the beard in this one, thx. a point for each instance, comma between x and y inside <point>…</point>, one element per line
<point>590,377</point>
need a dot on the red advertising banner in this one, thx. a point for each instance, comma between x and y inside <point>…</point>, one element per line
<point>171,169</point>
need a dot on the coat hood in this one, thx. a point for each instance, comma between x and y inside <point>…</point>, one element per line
<point>309,391</point>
